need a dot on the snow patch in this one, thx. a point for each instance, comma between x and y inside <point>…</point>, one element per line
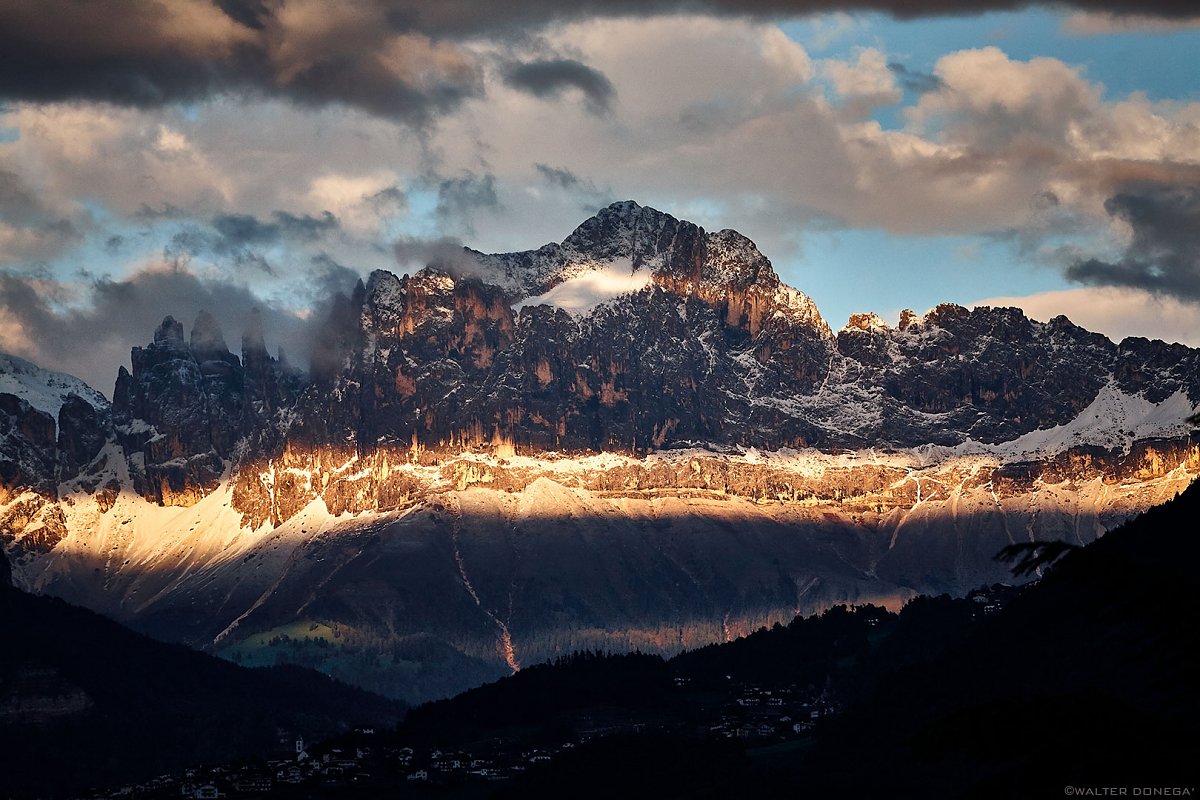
<point>44,389</point>
<point>1114,420</point>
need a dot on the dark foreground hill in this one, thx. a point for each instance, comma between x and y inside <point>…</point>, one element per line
<point>1085,679</point>
<point>86,702</point>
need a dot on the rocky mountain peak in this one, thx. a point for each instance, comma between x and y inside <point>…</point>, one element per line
<point>253,342</point>
<point>733,260</point>
<point>908,318</point>
<point>645,236</point>
<point>169,335</point>
<point>208,342</point>
<point>44,389</point>
<point>868,322</point>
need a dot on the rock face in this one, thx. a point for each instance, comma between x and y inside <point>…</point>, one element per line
<point>451,361</point>
<point>52,427</point>
<point>637,437</point>
<point>712,348</point>
<point>35,452</point>
<point>185,408</point>
<point>29,447</point>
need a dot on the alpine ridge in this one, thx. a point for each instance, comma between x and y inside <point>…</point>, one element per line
<point>637,437</point>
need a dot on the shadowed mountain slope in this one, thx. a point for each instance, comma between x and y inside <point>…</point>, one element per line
<point>86,702</point>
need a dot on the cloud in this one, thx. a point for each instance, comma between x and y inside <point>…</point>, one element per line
<point>551,77</point>
<point>1163,253</point>
<point>732,116</point>
<point>993,101</point>
<point>151,54</point>
<point>867,77</point>
<point>244,229</point>
<point>242,239</point>
<point>556,176</point>
<point>29,231</point>
<point>473,17</point>
<point>919,82</point>
<point>401,59</point>
<point>461,197</point>
<point>1107,23</point>
<point>446,253</point>
<point>587,195</point>
<point>1116,312</point>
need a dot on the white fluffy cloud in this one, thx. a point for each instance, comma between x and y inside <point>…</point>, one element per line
<point>867,77</point>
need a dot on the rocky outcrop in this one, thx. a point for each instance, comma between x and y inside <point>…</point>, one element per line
<point>28,450</point>
<point>52,426</point>
<point>991,374</point>
<point>83,430</point>
<point>183,411</point>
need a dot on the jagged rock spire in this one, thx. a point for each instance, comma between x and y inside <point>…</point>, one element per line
<point>253,342</point>
<point>169,335</point>
<point>208,341</point>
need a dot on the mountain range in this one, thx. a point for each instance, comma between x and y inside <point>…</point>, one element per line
<point>637,438</point>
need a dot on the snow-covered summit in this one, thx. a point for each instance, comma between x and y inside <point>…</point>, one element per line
<point>869,322</point>
<point>622,232</point>
<point>626,247</point>
<point>44,389</point>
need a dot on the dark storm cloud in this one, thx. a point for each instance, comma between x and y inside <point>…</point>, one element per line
<point>40,232</point>
<point>1164,253</point>
<point>92,341</point>
<point>394,58</point>
<point>241,229</point>
<point>585,192</point>
<point>474,17</point>
<point>551,77</point>
<point>237,237</point>
<point>245,229</point>
<point>150,53</point>
<point>460,198</point>
<point>913,81</point>
<point>555,176</point>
